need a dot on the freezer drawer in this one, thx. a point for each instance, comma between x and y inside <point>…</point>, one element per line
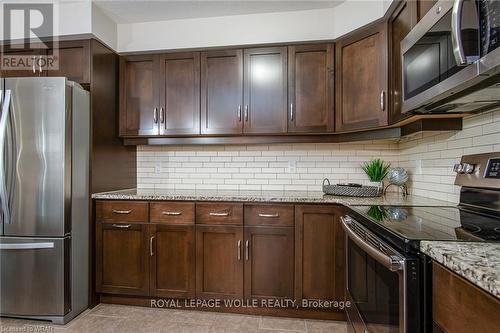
<point>35,276</point>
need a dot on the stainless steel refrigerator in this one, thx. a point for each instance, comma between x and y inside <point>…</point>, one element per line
<point>44,198</point>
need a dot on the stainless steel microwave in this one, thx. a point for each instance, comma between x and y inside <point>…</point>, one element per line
<point>451,59</point>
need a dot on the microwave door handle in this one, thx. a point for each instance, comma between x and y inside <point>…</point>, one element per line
<point>3,133</point>
<point>394,264</point>
<point>456,33</point>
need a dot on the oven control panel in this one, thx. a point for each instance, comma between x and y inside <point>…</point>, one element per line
<point>480,170</point>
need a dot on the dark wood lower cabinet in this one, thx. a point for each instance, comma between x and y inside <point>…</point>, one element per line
<point>269,266</point>
<point>219,261</point>
<point>319,253</point>
<point>172,263</point>
<point>122,263</point>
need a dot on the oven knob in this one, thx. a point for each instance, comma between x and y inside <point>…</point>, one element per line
<point>458,168</point>
<point>468,168</point>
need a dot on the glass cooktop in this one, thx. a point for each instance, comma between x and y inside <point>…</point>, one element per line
<point>433,223</point>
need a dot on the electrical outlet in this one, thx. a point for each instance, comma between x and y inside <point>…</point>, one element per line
<point>157,168</point>
<point>292,166</point>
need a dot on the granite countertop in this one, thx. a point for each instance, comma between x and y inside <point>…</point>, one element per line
<point>477,262</point>
<point>266,196</point>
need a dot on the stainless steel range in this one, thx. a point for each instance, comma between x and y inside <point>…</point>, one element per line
<point>388,279</point>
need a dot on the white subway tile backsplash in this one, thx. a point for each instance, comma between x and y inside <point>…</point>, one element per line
<point>428,157</point>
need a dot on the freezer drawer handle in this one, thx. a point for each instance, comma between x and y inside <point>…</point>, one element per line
<point>26,246</point>
<point>122,211</point>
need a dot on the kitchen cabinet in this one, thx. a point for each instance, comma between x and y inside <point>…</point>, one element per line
<point>122,258</point>
<point>73,61</point>
<point>319,253</point>
<point>222,92</point>
<point>180,94</point>
<point>460,307</point>
<point>310,88</point>
<point>400,24</point>
<point>219,261</point>
<point>423,7</point>
<point>30,69</point>
<point>265,90</point>
<point>172,261</point>
<point>139,95</point>
<point>269,262</point>
<point>362,79</point>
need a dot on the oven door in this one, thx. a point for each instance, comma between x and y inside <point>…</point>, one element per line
<point>375,280</point>
<point>440,57</point>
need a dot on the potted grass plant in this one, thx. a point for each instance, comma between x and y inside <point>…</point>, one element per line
<point>376,170</point>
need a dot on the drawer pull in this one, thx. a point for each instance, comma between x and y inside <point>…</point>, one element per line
<point>121,226</point>
<point>275,215</point>
<point>219,214</point>
<point>171,213</point>
<point>124,212</point>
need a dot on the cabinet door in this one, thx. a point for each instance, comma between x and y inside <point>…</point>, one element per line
<point>319,253</point>
<point>269,262</point>
<point>423,6</point>
<point>222,92</point>
<point>401,22</point>
<point>73,61</point>
<point>122,263</point>
<point>219,262</point>
<point>172,261</point>
<point>361,79</point>
<point>310,88</point>
<point>26,63</point>
<point>180,93</point>
<point>265,90</point>
<point>139,95</point>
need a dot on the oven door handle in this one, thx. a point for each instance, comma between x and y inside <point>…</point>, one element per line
<point>392,263</point>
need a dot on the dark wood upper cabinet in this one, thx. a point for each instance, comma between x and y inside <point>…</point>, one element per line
<point>31,69</point>
<point>172,261</point>
<point>180,94</point>
<point>122,258</point>
<point>269,262</point>
<point>74,61</point>
<point>219,261</point>
<point>265,90</point>
<point>310,88</point>
<point>319,253</point>
<point>222,92</point>
<point>400,24</point>
<point>362,79</point>
<point>139,95</point>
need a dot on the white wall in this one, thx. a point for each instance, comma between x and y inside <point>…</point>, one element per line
<point>318,24</point>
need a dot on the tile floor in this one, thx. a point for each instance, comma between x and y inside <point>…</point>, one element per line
<point>106,318</point>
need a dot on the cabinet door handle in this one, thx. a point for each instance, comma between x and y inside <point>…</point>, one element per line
<point>151,251</point>
<point>382,101</point>
<point>121,226</point>
<point>246,113</point>
<point>291,111</point>
<point>162,115</point>
<point>123,212</point>
<point>275,215</point>
<point>33,65</point>
<point>247,250</point>
<point>219,214</point>
<point>239,113</point>
<point>40,64</point>
<point>239,250</point>
<point>171,213</point>
<point>155,115</point>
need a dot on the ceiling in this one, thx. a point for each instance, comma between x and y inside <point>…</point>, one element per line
<point>134,11</point>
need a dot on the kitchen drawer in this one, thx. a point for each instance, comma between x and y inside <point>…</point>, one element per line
<point>219,213</point>
<point>269,215</point>
<point>172,212</point>
<point>122,211</point>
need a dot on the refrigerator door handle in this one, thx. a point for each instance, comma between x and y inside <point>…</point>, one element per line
<point>3,132</point>
<point>26,246</point>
